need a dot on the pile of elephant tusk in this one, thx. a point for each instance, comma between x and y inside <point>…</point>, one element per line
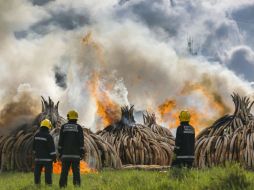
<point>229,139</point>
<point>138,144</point>
<point>16,147</point>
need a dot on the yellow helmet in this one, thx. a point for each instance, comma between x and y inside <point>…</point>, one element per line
<point>72,114</point>
<point>46,123</point>
<point>184,116</point>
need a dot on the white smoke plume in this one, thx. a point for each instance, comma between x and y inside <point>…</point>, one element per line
<point>137,47</point>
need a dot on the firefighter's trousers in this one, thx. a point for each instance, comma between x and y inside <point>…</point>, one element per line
<point>48,172</point>
<point>183,162</point>
<point>75,165</point>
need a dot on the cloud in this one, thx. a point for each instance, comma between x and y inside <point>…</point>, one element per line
<point>40,2</point>
<point>244,17</point>
<point>207,24</point>
<point>65,18</point>
<point>241,60</point>
<point>138,47</point>
<point>17,15</point>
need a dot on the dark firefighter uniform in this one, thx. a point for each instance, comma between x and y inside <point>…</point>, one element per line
<point>185,141</point>
<point>71,148</point>
<point>45,154</point>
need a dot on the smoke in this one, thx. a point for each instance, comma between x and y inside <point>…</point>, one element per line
<point>61,74</point>
<point>137,49</point>
<point>21,110</point>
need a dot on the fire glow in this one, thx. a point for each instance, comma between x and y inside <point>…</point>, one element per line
<point>108,110</point>
<point>170,109</point>
<point>84,168</point>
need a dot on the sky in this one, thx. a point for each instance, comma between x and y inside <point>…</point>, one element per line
<point>136,49</point>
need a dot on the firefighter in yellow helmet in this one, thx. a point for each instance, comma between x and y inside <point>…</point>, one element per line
<point>185,141</point>
<point>71,148</point>
<point>45,154</point>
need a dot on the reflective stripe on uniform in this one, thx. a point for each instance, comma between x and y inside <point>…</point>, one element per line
<point>52,153</point>
<point>70,156</point>
<point>185,157</point>
<point>70,127</point>
<point>43,159</point>
<point>73,130</point>
<point>188,132</point>
<point>40,138</point>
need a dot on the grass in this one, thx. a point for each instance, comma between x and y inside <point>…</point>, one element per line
<point>229,177</point>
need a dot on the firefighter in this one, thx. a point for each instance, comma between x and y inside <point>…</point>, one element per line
<point>71,149</point>
<point>45,154</point>
<point>185,141</point>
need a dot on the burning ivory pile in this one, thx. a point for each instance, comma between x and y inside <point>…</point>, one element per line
<point>138,144</point>
<point>150,121</point>
<point>230,138</point>
<point>16,147</point>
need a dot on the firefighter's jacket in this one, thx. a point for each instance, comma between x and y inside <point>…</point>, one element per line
<point>71,141</point>
<point>43,146</point>
<point>185,141</point>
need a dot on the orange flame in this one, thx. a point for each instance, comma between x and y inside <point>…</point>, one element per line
<point>107,109</point>
<point>214,100</point>
<point>169,113</point>
<point>169,110</point>
<point>84,168</point>
<point>197,120</point>
<point>166,107</point>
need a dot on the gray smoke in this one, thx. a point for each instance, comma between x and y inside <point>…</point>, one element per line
<point>61,71</point>
<point>137,47</point>
<point>20,110</point>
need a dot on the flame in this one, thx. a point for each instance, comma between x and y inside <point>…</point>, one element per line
<point>214,100</point>
<point>170,109</point>
<point>169,113</point>
<point>84,168</point>
<point>107,109</point>
<point>197,120</point>
<point>166,107</point>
